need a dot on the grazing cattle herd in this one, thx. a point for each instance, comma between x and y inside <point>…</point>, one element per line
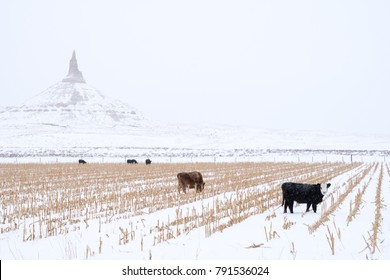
<point>129,161</point>
<point>311,194</point>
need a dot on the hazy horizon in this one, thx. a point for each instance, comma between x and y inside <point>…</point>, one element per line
<point>302,65</point>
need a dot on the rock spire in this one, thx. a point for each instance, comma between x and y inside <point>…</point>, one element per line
<point>74,74</point>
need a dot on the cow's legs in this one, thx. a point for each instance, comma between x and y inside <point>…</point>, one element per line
<point>284,203</point>
<point>308,207</point>
<point>199,187</point>
<point>315,208</point>
<point>183,187</point>
<point>290,205</point>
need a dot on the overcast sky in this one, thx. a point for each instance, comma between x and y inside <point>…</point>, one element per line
<point>308,65</point>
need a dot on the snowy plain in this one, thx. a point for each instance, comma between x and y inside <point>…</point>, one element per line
<point>272,238</point>
<point>242,244</point>
<point>247,240</point>
<point>26,137</point>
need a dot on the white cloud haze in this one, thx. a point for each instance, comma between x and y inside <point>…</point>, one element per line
<point>312,65</point>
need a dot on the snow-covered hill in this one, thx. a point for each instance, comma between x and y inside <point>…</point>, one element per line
<point>73,118</point>
<point>75,105</point>
<point>71,103</point>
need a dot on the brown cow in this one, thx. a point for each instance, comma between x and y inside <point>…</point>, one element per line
<point>190,180</point>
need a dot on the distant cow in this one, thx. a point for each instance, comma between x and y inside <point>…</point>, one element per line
<point>81,161</point>
<point>190,180</point>
<point>132,161</point>
<point>303,193</point>
<point>148,161</point>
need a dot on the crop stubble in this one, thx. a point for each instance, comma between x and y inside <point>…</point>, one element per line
<point>43,200</point>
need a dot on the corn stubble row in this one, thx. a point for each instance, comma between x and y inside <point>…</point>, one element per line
<point>359,183</point>
<point>247,200</point>
<point>43,200</point>
<point>373,234</point>
<point>338,196</point>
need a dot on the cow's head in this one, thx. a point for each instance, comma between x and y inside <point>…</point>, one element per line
<point>324,188</point>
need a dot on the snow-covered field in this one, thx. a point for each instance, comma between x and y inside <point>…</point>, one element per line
<point>351,224</point>
<point>267,236</point>
<point>53,209</point>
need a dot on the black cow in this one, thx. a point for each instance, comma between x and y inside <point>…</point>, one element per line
<point>303,193</point>
<point>81,161</point>
<point>148,161</point>
<point>132,161</point>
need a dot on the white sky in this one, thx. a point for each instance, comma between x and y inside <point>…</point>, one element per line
<point>312,65</point>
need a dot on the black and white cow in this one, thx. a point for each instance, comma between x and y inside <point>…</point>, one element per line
<point>311,194</point>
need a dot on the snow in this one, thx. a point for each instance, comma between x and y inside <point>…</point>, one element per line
<point>66,105</point>
<point>234,242</point>
<point>69,121</point>
<point>259,240</point>
<point>75,119</point>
